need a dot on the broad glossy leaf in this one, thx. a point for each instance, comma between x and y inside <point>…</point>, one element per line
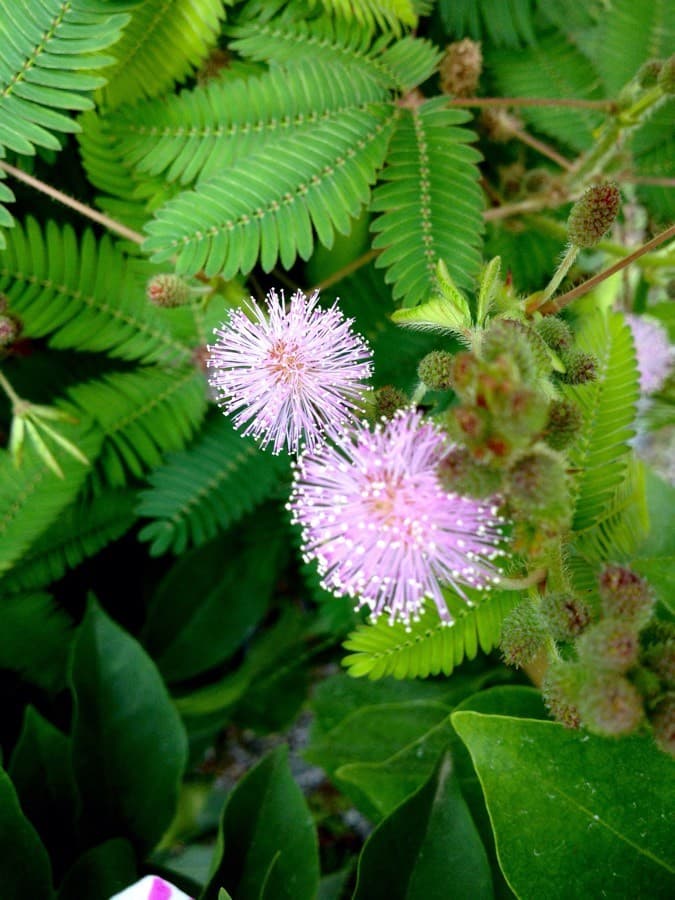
<point>100,872</point>
<point>575,815</point>
<point>427,849</point>
<point>129,746</point>
<point>267,846</point>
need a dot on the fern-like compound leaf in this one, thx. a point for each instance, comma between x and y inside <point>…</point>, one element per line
<point>264,208</point>
<point>162,44</point>
<point>507,23</point>
<point>50,49</point>
<point>81,530</point>
<point>201,132</point>
<point>82,294</point>
<point>602,455</point>
<point>205,488</point>
<point>35,635</point>
<point>552,68</point>
<point>391,14</point>
<point>142,414</point>
<point>429,647</point>
<point>430,202</point>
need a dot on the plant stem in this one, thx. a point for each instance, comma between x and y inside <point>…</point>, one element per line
<point>351,267</point>
<point>66,200</point>
<point>542,148</point>
<point>519,584</point>
<point>555,305</point>
<point>9,390</point>
<point>605,105</point>
<point>559,274</point>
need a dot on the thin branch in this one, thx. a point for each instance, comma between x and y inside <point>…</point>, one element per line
<point>604,105</point>
<point>543,148</point>
<point>66,200</point>
<point>557,303</point>
<point>349,269</point>
<point>534,204</point>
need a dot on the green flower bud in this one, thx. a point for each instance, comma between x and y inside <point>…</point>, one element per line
<point>168,291</point>
<point>580,367</point>
<point>388,400</point>
<point>459,473</point>
<point>592,215</point>
<point>660,659</point>
<point>564,424</point>
<point>610,644</point>
<point>472,422</point>
<point>610,705</point>
<point>465,369</point>
<point>663,723</point>
<point>555,332</point>
<point>666,80</point>
<point>508,337</point>
<point>435,370</point>
<point>649,72</point>
<point>625,595</point>
<point>561,688</point>
<point>523,634</point>
<point>521,415</point>
<point>567,616</point>
<point>537,484</point>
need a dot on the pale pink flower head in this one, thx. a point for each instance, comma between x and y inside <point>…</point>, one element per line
<point>382,528</point>
<point>289,374</point>
<point>653,351</point>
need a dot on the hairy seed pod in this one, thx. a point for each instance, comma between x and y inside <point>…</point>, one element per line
<point>592,215</point>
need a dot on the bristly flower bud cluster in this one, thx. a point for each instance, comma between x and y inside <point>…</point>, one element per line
<point>168,291</point>
<point>593,215</point>
<point>10,327</point>
<point>461,68</point>
<point>620,673</point>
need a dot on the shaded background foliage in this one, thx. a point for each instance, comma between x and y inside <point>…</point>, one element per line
<point>154,613</point>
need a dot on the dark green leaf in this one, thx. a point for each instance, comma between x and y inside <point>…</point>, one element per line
<point>268,845</point>
<point>427,849</point>
<point>100,872</point>
<point>24,864</point>
<point>129,747</point>
<point>35,636</point>
<point>574,816</point>
<point>42,772</point>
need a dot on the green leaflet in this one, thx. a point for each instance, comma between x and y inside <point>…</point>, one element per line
<point>206,487</point>
<point>602,454</point>
<point>429,647</point>
<point>430,202</point>
<point>162,43</point>
<point>508,23</point>
<point>264,208</point>
<point>83,294</point>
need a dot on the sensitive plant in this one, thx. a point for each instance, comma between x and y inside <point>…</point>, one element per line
<point>356,337</point>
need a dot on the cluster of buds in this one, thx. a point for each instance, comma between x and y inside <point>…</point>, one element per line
<point>461,68</point>
<point>10,328</point>
<point>621,670</point>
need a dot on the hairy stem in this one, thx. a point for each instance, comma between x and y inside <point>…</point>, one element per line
<point>543,148</point>
<point>605,105</point>
<point>558,303</point>
<point>66,200</point>
<point>559,274</point>
<point>9,390</point>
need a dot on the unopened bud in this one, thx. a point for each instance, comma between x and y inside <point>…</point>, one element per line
<point>567,616</point>
<point>564,424</point>
<point>663,723</point>
<point>580,367</point>
<point>459,473</point>
<point>610,644</point>
<point>388,400</point>
<point>660,659</point>
<point>465,369</point>
<point>9,330</point>
<point>592,215</point>
<point>537,484</point>
<point>649,72</point>
<point>523,634</point>
<point>561,688</point>
<point>666,80</point>
<point>507,337</point>
<point>625,595</point>
<point>461,67</point>
<point>610,705</point>
<point>168,291</point>
<point>435,370</point>
<point>555,333</point>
